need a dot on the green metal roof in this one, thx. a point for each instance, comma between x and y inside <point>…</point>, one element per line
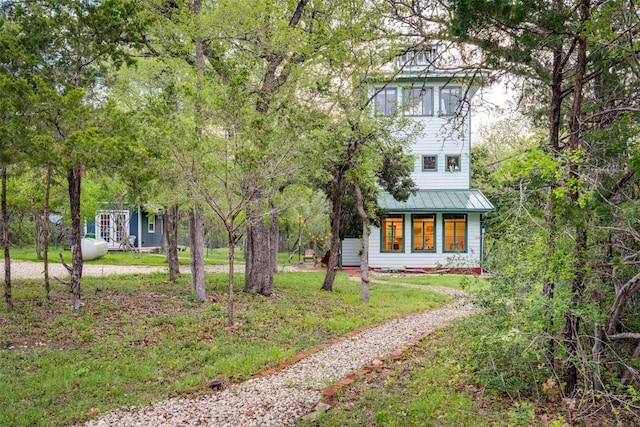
<point>471,200</point>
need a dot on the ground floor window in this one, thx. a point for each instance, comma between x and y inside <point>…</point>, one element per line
<point>393,234</point>
<point>424,232</point>
<point>455,232</point>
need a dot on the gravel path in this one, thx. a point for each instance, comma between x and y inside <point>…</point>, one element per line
<point>283,397</point>
<point>34,270</point>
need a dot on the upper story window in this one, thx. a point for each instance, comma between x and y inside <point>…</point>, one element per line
<point>386,101</point>
<point>429,163</point>
<point>419,57</point>
<point>453,163</point>
<point>450,99</point>
<point>418,101</point>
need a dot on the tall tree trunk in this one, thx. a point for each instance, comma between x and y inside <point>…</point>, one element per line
<point>555,108</point>
<point>196,216</point>
<point>196,239</point>
<point>258,268</point>
<point>5,241</point>
<point>572,322</point>
<point>364,251</point>
<point>74,179</point>
<point>334,251</point>
<point>45,242</point>
<point>171,235</point>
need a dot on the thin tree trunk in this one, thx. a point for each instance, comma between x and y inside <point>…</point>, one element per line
<point>74,179</point>
<point>171,235</point>
<point>38,224</point>
<point>274,235</point>
<point>364,252</point>
<point>5,241</point>
<point>596,353</point>
<point>230,229</point>
<point>196,238</point>
<point>45,242</point>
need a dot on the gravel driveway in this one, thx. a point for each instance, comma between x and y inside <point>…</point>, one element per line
<point>34,270</point>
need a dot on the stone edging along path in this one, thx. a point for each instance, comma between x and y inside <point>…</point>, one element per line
<point>299,387</point>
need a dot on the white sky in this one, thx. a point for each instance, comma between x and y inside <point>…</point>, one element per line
<point>489,106</point>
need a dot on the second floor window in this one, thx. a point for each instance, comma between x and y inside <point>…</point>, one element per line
<point>429,163</point>
<point>386,101</point>
<point>450,99</point>
<point>418,101</point>
<point>453,163</point>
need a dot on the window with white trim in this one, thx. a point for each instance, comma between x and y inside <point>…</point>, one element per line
<point>151,225</point>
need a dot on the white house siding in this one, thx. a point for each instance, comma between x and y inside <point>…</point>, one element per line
<point>445,143</point>
<point>407,259</point>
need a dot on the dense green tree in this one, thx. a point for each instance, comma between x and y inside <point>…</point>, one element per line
<point>582,72</point>
<point>70,43</point>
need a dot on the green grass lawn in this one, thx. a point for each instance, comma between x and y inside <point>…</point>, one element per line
<point>468,282</point>
<point>140,338</point>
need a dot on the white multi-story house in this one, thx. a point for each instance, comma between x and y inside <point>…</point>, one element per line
<point>441,226</point>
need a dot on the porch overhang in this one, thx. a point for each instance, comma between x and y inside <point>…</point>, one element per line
<point>471,200</point>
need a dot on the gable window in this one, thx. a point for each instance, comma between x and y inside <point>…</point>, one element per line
<point>418,101</point>
<point>423,57</point>
<point>151,226</point>
<point>455,232</point>
<point>450,99</point>
<point>429,163</point>
<point>393,234</point>
<point>424,233</point>
<point>453,163</point>
<point>386,101</point>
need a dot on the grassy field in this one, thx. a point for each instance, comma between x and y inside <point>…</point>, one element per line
<point>140,338</point>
